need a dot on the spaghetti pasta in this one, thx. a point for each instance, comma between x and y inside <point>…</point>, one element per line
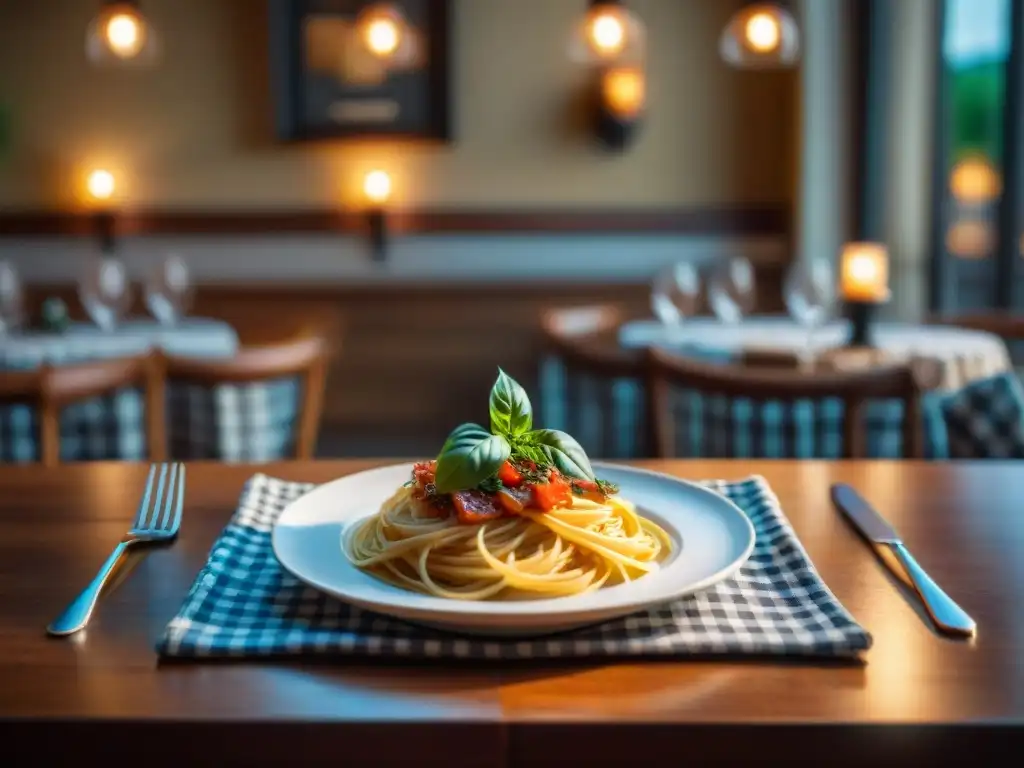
<point>532,554</point>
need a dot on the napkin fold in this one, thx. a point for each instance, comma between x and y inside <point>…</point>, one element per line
<point>244,604</point>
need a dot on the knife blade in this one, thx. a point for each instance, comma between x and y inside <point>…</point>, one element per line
<point>942,609</point>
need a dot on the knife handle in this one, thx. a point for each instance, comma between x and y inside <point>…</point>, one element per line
<point>947,615</point>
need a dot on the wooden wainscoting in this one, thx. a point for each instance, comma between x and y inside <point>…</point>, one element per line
<point>411,361</point>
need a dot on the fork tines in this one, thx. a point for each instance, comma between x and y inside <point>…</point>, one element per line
<point>160,509</point>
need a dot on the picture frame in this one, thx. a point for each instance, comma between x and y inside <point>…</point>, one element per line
<point>325,86</point>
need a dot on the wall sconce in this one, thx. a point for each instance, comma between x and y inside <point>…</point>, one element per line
<point>384,31</point>
<point>101,186</point>
<point>609,33</point>
<point>761,35</point>
<point>377,189</point>
<point>121,35</point>
<point>620,104</point>
<point>863,285</point>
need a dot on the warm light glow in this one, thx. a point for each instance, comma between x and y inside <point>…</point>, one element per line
<point>101,185</point>
<point>623,91</point>
<point>606,34</point>
<point>381,36</point>
<point>971,239</point>
<point>975,180</point>
<point>377,187</point>
<point>762,33</point>
<point>124,35</point>
<point>865,273</point>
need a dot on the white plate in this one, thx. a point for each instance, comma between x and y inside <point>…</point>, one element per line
<point>711,539</point>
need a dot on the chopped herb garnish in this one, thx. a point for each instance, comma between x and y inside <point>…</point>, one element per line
<point>491,485</point>
<point>538,473</point>
<point>607,488</point>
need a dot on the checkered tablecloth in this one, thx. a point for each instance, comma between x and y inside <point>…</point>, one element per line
<point>231,422</point>
<point>243,603</point>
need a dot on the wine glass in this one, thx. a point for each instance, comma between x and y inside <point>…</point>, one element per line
<point>169,290</point>
<point>104,291</point>
<point>731,290</point>
<point>675,293</point>
<point>11,312</point>
<point>809,292</point>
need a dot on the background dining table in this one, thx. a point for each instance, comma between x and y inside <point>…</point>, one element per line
<point>915,697</point>
<point>191,337</point>
<point>964,355</point>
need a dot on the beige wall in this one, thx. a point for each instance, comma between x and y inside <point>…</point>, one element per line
<point>196,131</point>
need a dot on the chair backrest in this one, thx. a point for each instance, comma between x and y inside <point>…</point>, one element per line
<point>585,338</point>
<point>304,357</point>
<point>585,342</point>
<point>760,385</point>
<point>21,386</point>
<point>52,388</point>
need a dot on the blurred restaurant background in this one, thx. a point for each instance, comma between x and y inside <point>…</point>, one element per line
<point>247,230</point>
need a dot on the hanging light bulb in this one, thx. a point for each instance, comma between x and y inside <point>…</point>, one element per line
<point>121,35</point>
<point>608,34</point>
<point>384,32</point>
<point>761,35</point>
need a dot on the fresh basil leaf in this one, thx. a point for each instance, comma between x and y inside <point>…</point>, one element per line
<point>534,453</point>
<point>463,432</point>
<point>511,413</point>
<point>470,455</point>
<point>566,454</point>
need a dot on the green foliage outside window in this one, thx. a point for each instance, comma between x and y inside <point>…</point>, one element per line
<point>977,95</point>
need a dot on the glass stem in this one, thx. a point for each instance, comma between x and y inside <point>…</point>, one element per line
<point>808,357</point>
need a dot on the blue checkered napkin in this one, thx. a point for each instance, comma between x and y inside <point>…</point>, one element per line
<point>243,604</point>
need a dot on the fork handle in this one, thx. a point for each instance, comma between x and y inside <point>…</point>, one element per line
<point>76,615</point>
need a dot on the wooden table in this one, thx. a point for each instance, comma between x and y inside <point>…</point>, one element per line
<point>103,690</point>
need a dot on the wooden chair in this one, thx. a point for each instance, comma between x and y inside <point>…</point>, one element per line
<point>584,342</point>
<point>667,372</point>
<point>303,359</point>
<point>51,389</point>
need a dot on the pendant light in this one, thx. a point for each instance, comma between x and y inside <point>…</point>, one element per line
<point>609,33</point>
<point>386,33</point>
<point>120,35</point>
<point>761,35</point>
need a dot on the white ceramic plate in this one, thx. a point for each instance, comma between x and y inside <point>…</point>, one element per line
<point>711,539</point>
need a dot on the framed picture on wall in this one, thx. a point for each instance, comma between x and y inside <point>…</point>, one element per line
<point>329,83</point>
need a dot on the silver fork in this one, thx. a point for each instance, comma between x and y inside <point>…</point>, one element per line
<point>157,520</point>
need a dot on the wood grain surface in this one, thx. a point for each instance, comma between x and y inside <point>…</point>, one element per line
<point>103,691</point>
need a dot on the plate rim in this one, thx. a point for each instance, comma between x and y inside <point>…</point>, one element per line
<point>459,612</point>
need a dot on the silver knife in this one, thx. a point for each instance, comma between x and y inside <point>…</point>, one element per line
<point>947,615</point>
